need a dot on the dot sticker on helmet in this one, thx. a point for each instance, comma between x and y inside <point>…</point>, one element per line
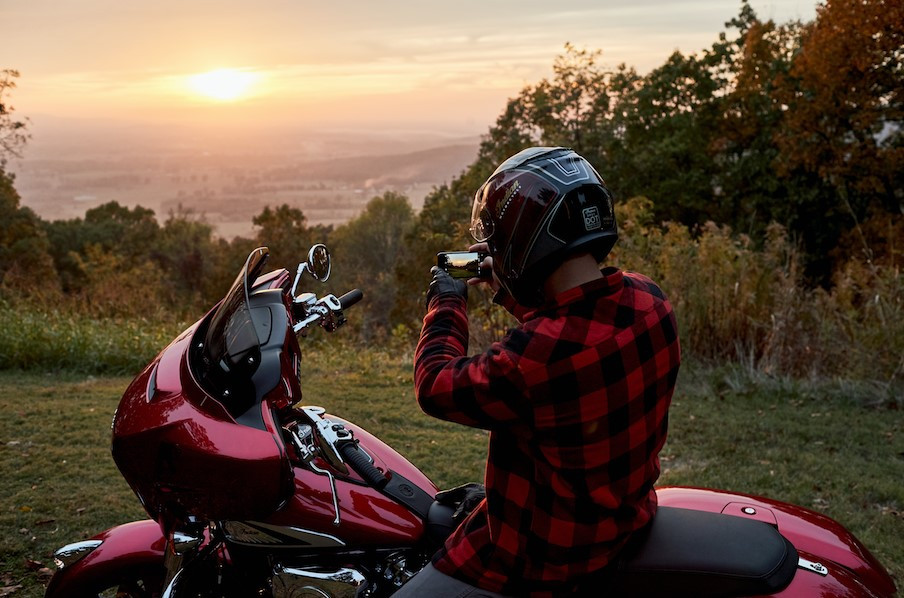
<point>592,220</point>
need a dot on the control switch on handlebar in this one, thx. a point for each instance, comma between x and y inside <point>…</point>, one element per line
<point>327,310</point>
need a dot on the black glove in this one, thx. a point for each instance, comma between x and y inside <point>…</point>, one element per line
<point>464,498</point>
<point>443,284</point>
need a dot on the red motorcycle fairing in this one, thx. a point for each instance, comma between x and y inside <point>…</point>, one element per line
<point>182,453</point>
<point>124,551</point>
<point>817,538</point>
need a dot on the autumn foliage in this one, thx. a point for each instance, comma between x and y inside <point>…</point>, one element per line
<point>760,181</point>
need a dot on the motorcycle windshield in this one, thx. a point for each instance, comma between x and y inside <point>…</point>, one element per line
<point>232,348</point>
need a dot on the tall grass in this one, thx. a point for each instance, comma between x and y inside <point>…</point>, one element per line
<point>36,338</point>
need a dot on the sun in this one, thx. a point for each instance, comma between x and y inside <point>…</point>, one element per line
<point>225,85</point>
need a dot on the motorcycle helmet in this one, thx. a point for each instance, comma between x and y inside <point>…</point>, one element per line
<point>540,206</point>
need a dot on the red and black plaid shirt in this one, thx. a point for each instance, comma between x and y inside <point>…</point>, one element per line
<point>576,401</point>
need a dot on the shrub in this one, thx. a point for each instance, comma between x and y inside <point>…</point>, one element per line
<point>741,303</point>
<point>36,339</point>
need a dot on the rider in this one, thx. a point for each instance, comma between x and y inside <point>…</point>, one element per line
<point>575,398</point>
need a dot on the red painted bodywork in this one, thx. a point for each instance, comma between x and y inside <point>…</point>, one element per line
<point>126,548</point>
<point>823,539</point>
<point>367,517</point>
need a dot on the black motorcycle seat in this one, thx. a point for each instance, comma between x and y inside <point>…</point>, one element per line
<point>683,552</point>
<point>696,553</point>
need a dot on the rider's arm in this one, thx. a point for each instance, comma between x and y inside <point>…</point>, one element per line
<point>483,391</point>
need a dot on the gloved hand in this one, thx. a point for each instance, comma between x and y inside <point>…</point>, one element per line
<point>443,284</point>
<point>464,498</point>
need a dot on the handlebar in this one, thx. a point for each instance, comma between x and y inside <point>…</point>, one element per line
<point>350,298</point>
<point>360,463</point>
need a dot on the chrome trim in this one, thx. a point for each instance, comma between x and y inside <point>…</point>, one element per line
<point>241,532</point>
<point>173,586</point>
<point>288,582</point>
<point>183,543</point>
<point>818,568</point>
<point>318,539</point>
<point>301,268</point>
<point>322,539</point>
<point>71,553</point>
<point>173,562</point>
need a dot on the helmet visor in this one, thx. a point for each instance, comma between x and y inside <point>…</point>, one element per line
<point>481,223</point>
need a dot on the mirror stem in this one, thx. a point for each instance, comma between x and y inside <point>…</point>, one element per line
<point>298,274</point>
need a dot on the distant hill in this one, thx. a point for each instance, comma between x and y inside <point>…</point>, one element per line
<point>435,165</point>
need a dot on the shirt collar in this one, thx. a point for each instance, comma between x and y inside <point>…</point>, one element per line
<point>611,282</point>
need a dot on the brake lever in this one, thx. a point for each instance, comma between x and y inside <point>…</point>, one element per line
<point>308,456</point>
<point>326,435</point>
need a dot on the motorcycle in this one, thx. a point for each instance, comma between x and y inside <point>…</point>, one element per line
<point>250,493</point>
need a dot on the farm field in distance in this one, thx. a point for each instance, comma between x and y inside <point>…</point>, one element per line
<point>228,179</point>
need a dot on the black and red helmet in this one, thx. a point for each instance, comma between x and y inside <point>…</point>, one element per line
<point>540,206</point>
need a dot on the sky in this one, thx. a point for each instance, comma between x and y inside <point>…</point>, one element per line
<point>445,66</point>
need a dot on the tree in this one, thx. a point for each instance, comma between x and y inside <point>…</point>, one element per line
<point>13,132</point>
<point>845,97</point>
<point>749,189</point>
<point>128,233</point>
<point>366,253</point>
<point>669,121</point>
<point>188,254</point>
<point>576,108</point>
<point>843,101</point>
<point>646,135</point>
<point>284,231</point>
<point>25,263</point>
<point>442,224</point>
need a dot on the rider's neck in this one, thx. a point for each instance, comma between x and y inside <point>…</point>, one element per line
<point>574,271</point>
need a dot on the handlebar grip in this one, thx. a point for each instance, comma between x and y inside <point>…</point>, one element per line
<point>350,298</point>
<point>359,462</point>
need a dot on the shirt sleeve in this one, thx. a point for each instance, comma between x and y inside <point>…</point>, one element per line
<point>483,391</point>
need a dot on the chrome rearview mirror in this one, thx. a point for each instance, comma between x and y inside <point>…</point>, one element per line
<point>319,262</point>
<point>318,265</point>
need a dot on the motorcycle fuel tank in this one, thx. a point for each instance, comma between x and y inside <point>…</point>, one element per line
<point>366,516</point>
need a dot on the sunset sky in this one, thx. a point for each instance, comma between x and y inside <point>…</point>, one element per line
<point>385,63</point>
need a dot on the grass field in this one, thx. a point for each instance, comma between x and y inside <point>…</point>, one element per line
<point>816,445</point>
